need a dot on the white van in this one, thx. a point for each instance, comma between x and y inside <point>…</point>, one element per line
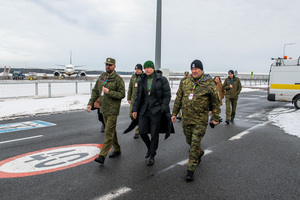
<point>284,81</point>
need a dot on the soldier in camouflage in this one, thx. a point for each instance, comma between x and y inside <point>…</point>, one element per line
<point>110,88</point>
<point>196,96</point>
<point>131,94</point>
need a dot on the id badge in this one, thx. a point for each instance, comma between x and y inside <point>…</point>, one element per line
<point>136,84</point>
<point>191,96</point>
<point>102,93</point>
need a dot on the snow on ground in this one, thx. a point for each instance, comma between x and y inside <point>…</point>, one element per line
<point>287,119</point>
<point>12,108</point>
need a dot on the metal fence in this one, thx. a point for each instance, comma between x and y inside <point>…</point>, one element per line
<point>14,89</point>
<point>55,88</point>
<point>257,81</point>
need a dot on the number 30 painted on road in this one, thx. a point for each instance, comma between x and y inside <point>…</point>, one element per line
<point>48,160</point>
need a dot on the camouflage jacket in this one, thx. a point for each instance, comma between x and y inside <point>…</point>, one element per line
<point>109,103</point>
<point>235,91</point>
<point>131,94</point>
<point>205,98</point>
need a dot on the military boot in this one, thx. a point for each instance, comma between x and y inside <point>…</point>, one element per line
<point>189,176</point>
<point>100,159</point>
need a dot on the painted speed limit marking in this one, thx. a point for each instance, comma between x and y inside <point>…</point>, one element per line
<point>48,160</point>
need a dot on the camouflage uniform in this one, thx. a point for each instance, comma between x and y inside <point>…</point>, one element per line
<point>131,94</point>
<point>110,107</point>
<point>232,95</point>
<point>195,112</point>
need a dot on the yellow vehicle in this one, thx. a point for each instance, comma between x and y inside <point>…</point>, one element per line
<point>32,76</point>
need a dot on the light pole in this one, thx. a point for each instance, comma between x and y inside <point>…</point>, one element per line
<point>284,47</point>
<point>158,35</point>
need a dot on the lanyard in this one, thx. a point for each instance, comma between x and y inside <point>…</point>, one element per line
<point>149,89</point>
<point>105,80</point>
<point>196,83</point>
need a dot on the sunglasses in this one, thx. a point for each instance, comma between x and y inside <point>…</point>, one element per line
<point>109,64</point>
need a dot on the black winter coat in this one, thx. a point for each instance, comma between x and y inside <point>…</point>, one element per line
<point>158,101</point>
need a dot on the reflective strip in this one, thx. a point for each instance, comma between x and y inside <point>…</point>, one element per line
<point>285,86</point>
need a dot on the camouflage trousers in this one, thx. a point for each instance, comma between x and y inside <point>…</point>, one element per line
<point>130,115</point>
<point>193,135</point>
<point>230,112</point>
<point>111,138</point>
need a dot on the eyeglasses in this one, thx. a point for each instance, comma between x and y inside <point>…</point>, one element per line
<point>109,64</point>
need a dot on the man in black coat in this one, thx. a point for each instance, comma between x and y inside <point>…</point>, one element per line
<point>152,100</point>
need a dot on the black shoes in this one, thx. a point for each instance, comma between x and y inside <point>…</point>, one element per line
<point>220,119</point>
<point>151,161</point>
<point>100,159</point>
<point>231,120</point>
<point>211,125</point>
<point>147,154</point>
<point>136,136</point>
<point>114,154</point>
<point>102,128</point>
<point>201,154</point>
<point>189,176</point>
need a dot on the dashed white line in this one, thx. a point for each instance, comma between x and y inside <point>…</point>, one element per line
<point>184,162</point>
<point>240,135</point>
<point>27,138</point>
<point>114,194</point>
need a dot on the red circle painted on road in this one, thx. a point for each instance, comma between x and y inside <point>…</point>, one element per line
<point>19,171</point>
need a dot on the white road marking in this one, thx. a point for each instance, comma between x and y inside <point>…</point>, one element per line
<point>184,162</point>
<point>240,135</point>
<point>114,194</point>
<point>207,151</point>
<point>27,138</point>
<point>20,126</point>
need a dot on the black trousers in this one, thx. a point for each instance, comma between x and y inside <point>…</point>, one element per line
<point>100,117</point>
<point>149,123</point>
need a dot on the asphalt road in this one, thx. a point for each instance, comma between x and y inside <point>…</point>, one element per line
<point>249,159</point>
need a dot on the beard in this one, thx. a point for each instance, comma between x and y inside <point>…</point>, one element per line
<point>109,70</point>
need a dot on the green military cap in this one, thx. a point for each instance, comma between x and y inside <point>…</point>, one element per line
<point>149,63</point>
<point>110,61</point>
<point>186,73</point>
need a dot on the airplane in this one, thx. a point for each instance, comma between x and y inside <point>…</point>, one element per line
<point>69,70</point>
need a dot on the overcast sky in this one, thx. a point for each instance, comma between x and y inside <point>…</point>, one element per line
<point>241,35</point>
